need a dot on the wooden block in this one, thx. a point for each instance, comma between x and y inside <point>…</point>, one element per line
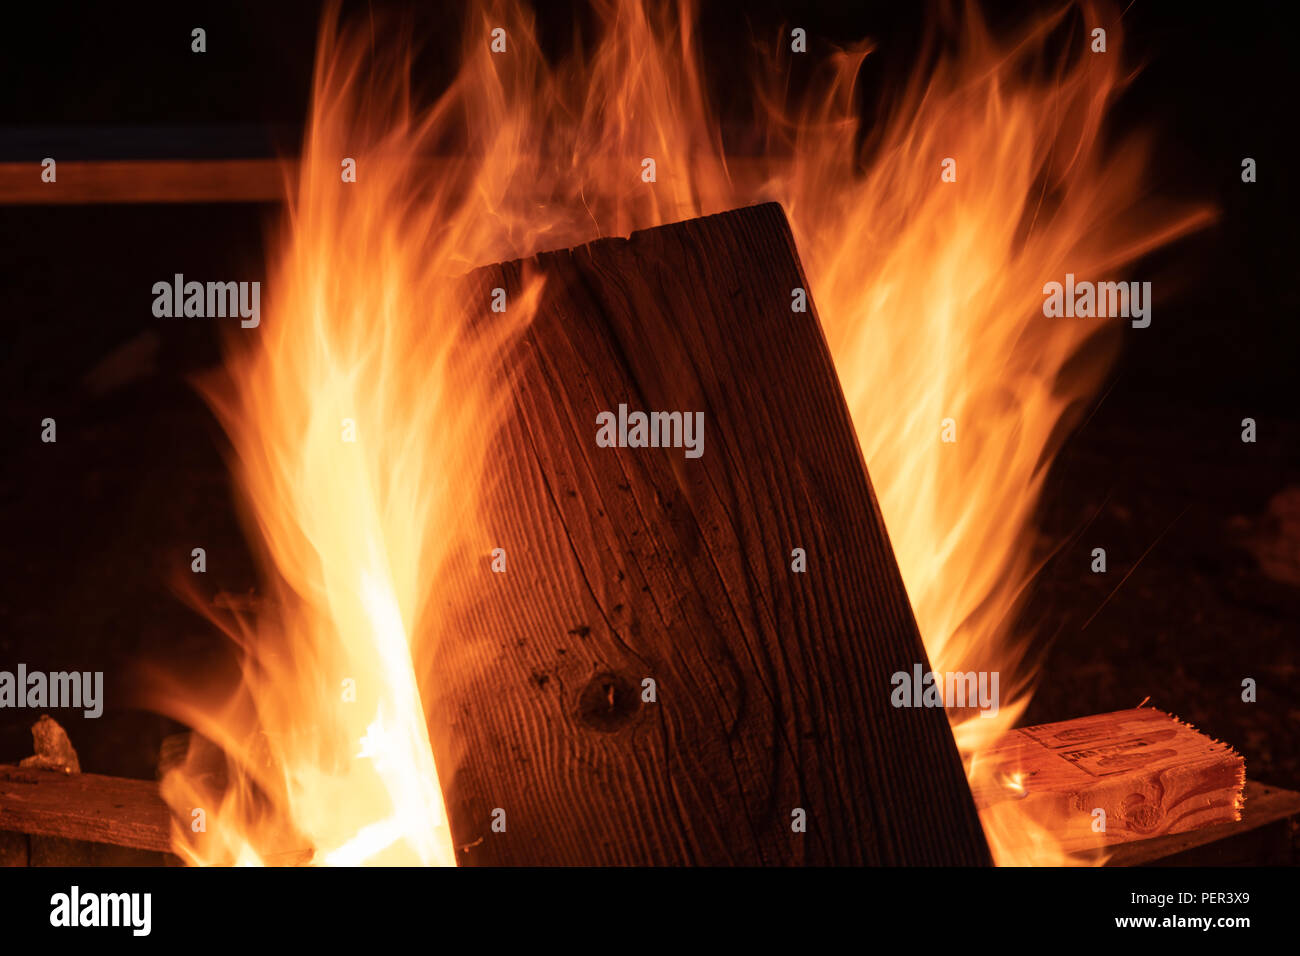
<point>1151,773</point>
<point>84,806</point>
<point>634,564</point>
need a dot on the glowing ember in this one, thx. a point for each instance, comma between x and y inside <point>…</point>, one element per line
<point>929,291</point>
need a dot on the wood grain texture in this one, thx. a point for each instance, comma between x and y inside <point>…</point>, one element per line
<point>84,806</point>
<point>1271,813</point>
<point>1151,773</point>
<point>631,563</point>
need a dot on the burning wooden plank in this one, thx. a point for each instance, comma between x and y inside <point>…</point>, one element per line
<point>1140,773</point>
<point>656,680</point>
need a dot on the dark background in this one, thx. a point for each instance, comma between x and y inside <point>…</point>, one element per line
<point>99,525</point>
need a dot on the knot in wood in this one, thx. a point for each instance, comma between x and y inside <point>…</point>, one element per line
<point>608,702</point>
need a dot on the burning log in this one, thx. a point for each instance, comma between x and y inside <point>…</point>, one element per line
<point>1112,778</point>
<point>656,679</point>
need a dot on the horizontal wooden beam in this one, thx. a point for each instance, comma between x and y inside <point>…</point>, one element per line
<point>144,181</point>
<point>84,806</point>
<point>249,180</point>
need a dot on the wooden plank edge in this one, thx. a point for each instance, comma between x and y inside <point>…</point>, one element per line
<point>88,807</point>
<point>1264,805</point>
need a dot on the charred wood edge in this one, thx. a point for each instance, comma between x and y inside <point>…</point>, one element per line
<point>130,813</point>
<point>86,182</point>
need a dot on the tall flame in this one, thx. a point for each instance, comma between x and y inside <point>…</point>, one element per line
<point>931,296</point>
<point>929,292</point>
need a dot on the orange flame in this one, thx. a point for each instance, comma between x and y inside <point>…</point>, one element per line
<point>929,292</point>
